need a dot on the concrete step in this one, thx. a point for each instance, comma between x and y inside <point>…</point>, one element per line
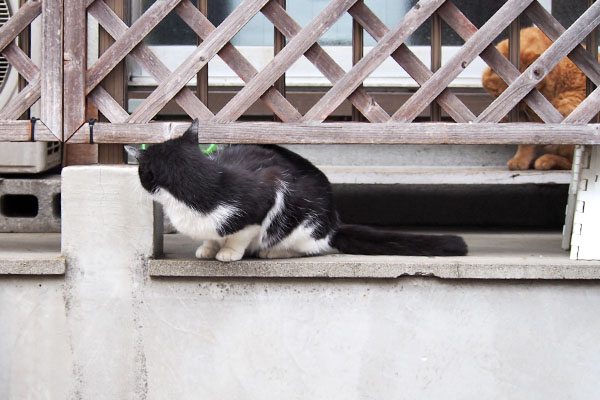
<point>495,255</point>
<point>31,254</point>
<point>447,175</point>
<point>492,255</point>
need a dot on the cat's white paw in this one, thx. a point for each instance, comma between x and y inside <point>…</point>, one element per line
<point>227,254</point>
<point>207,251</point>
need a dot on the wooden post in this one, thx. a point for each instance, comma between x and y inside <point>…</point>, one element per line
<point>25,45</point>
<point>358,43</point>
<point>115,84</point>
<point>278,45</point>
<point>51,101</point>
<point>514,49</point>
<point>436,60</point>
<point>202,76</point>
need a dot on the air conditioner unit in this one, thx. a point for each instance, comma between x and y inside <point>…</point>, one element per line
<point>23,157</point>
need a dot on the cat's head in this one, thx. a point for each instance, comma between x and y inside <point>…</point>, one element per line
<point>159,162</point>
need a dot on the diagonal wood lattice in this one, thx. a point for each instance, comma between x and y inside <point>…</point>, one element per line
<point>82,84</point>
<point>44,82</point>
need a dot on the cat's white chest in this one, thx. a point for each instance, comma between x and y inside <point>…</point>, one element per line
<point>191,222</point>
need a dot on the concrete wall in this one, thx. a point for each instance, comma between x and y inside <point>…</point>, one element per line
<point>107,331</point>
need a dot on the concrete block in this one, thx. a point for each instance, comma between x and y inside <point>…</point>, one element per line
<point>30,204</point>
<point>106,206</point>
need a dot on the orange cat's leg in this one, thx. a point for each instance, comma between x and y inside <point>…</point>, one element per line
<point>523,158</point>
<point>552,161</point>
<point>567,101</point>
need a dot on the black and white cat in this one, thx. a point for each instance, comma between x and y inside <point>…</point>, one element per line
<point>263,200</point>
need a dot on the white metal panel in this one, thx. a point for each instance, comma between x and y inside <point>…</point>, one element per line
<point>585,242</point>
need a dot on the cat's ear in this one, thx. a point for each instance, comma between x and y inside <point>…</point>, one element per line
<point>133,151</point>
<point>191,135</point>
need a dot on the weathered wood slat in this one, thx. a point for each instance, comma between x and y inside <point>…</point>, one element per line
<point>280,63</point>
<point>411,63</point>
<point>586,111</point>
<point>118,50</point>
<point>384,48</point>
<point>348,132</point>
<point>15,24</point>
<point>51,105</point>
<point>143,55</point>
<point>279,40</point>
<point>107,105</point>
<point>198,59</point>
<point>358,52</point>
<point>543,65</point>
<point>471,49</point>
<point>74,66</point>
<point>21,62</point>
<point>435,61</point>
<point>18,131</point>
<point>553,29</point>
<point>22,101</point>
<point>274,100</point>
<point>508,72</point>
<point>325,63</point>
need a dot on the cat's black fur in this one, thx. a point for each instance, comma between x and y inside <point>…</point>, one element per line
<point>250,176</point>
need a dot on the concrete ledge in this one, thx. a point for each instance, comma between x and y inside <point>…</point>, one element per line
<point>446,175</point>
<point>493,256</point>
<point>55,266</point>
<point>31,254</point>
<point>344,266</point>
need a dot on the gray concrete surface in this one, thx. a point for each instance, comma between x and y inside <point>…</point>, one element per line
<point>107,330</point>
<point>31,253</point>
<point>508,255</point>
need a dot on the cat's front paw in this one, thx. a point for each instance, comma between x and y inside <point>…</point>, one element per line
<point>227,254</point>
<point>207,250</point>
<point>518,164</point>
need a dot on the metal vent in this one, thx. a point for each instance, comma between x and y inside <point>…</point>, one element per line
<point>4,65</point>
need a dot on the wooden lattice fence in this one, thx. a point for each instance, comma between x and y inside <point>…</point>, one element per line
<point>64,100</point>
<point>44,82</point>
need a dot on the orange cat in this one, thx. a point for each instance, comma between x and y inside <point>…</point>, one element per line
<point>564,87</point>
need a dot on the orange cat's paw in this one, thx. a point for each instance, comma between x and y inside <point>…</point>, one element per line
<point>518,164</point>
<point>551,161</point>
<point>544,164</point>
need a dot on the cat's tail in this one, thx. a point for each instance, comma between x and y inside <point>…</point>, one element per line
<point>357,239</point>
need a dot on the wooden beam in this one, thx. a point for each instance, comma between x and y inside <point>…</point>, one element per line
<point>358,46</point>
<point>75,64</point>
<point>18,22</point>
<point>114,84</point>
<point>51,89</point>
<point>436,60</point>
<point>348,133</point>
